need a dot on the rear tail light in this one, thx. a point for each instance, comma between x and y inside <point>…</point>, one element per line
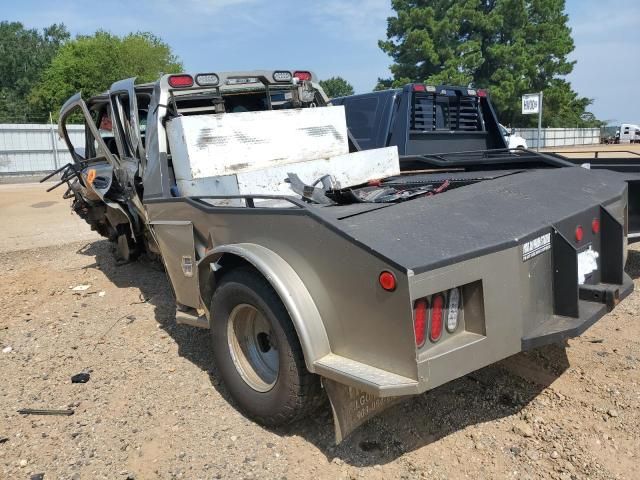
<point>437,307</point>
<point>419,88</point>
<point>302,76</point>
<point>180,81</point>
<point>436,313</point>
<point>595,226</point>
<point>453,312</point>
<point>387,281</point>
<point>420,321</point>
<point>482,93</point>
<point>579,233</point>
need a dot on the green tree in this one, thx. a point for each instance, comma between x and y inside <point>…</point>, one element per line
<point>384,84</point>
<point>511,47</point>
<point>24,55</point>
<point>92,63</point>
<point>336,87</point>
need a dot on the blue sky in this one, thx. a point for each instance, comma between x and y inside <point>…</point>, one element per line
<point>338,37</point>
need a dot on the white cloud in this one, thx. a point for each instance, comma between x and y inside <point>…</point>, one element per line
<point>193,10</point>
<point>361,20</point>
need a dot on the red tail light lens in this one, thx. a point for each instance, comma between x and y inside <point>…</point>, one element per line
<point>437,306</point>
<point>387,281</point>
<point>579,233</point>
<point>595,226</point>
<point>419,88</point>
<point>420,320</point>
<point>302,76</point>
<point>180,81</point>
<point>482,93</point>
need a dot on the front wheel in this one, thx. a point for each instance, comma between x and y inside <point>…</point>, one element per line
<point>257,351</point>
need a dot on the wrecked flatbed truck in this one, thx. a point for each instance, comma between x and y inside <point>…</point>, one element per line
<point>313,266</point>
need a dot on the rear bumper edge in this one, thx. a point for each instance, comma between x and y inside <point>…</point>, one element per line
<point>560,328</point>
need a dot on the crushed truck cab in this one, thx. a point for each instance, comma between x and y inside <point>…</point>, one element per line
<point>320,266</point>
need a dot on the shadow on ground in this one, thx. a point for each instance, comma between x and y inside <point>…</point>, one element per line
<point>633,264</point>
<point>493,392</point>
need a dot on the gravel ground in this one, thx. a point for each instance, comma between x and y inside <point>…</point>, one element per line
<point>154,408</point>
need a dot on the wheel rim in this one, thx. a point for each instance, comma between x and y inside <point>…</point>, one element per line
<point>253,348</point>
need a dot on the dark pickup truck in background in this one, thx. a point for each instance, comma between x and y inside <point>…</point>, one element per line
<point>456,128</point>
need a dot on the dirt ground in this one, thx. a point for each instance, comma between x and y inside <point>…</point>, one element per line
<point>154,408</point>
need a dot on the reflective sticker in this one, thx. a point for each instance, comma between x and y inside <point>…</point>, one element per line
<point>587,264</point>
<point>536,246</point>
<point>187,266</point>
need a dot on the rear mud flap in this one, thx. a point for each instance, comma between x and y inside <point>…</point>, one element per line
<point>352,407</point>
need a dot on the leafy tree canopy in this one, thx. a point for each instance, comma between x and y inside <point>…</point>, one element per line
<point>336,87</point>
<point>92,63</point>
<point>24,55</point>
<point>511,47</point>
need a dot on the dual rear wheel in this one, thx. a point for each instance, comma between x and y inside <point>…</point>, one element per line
<point>257,352</point>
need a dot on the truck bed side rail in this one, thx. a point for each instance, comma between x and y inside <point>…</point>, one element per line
<point>493,156</point>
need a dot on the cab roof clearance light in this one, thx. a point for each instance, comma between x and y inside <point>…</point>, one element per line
<point>180,81</point>
<point>302,76</point>
<point>241,81</point>
<point>282,76</point>
<point>207,79</point>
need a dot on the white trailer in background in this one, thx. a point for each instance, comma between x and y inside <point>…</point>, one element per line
<point>629,133</point>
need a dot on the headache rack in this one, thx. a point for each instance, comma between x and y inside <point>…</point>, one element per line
<point>447,109</point>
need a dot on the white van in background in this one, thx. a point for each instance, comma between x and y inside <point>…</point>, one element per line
<point>513,140</point>
<point>628,133</point>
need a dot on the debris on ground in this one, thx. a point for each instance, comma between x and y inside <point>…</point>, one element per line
<point>41,411</point>
<point>81,288</point>
<point>82,377</point>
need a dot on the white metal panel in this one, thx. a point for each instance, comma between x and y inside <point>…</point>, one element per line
<point>348,170</point>
<point>223,144</point>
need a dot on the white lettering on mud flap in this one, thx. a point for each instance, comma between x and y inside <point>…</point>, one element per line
<point>536,246</point>
<point>352,407</point>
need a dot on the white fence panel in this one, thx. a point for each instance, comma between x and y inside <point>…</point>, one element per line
<point>30,148</point>
<point>560,137</point>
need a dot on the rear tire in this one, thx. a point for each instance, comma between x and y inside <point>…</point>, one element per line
<point>257,351</point>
